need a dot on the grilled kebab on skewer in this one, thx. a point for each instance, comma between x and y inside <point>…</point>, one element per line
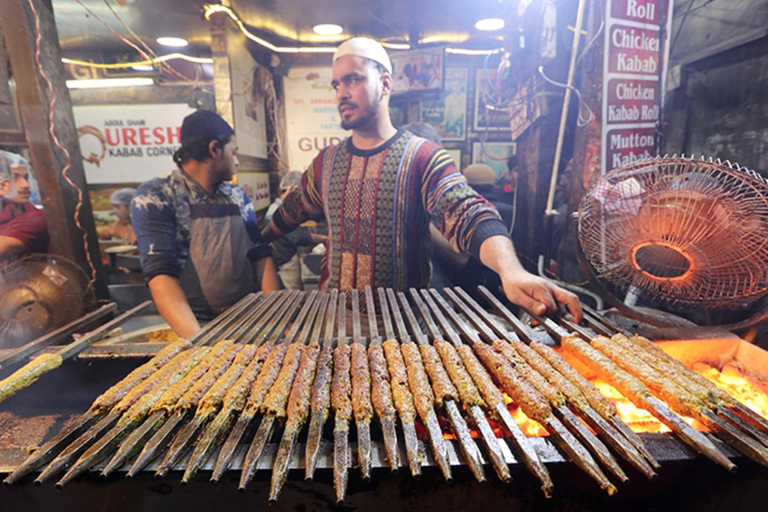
<point>341,403</point>
<point>680,399</point>
<point>100,407</point>
<point>362,406</point>
<point>208,406</point>
<point>497,407</point>
<point>423,355</point>
<point>298,405</point>
<point>445,357</point>
<point>636,392</point>
<point>264,380</point>
<point>528,396</point>
<point>381,391</point>
<point>163,408</point>
<point>398,379</point>
<point>176,369</point>
<point>699,383</point>
<point>536,407</point>
<point>128,398</point>
<point>418,383</point>
<point>273,408</point>
<point>321,390</point>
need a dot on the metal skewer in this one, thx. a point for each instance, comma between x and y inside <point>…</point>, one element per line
<point>489,439</point>
<point>521,446</point>
<point>179,417</point>
<point>380,388</point>
<point>598,402</point>
<point>321,390</point>
<point>641,398</point>
<point>426,411</point>
<point>298,404</point>
<point>574,399</point>
<point>279,393</point>
<point>464,439</point>
<point>174,371</point>
<point>266,337</point>
<point>340,402</point>
<point>362,406</point>
<point>55,336</point>
<point>401,395</point>
<point>138,438</point>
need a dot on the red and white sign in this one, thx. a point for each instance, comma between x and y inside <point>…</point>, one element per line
<point>256,185</point>
<point>129,143</point>
<point>633,79</point>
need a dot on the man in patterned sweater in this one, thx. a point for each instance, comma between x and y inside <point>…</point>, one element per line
<point>378,189</point>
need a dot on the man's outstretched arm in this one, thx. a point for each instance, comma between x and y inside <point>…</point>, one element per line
<point>520,286</point>
<point>173,306</point>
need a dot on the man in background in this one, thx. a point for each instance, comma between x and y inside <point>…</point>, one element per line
<point>285,250</point>
<point>201,249</point>
<point>22,226</point>
<point>122,228</point>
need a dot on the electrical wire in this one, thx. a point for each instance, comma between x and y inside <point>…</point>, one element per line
<point>55,138</point>
<point>580,122</point>
<point>147,62</point>
<point>163,65</point>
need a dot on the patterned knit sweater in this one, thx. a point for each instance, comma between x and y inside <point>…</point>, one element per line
<point>378,204</point>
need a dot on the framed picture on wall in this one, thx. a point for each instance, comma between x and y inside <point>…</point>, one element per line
<point>449,113</point>
<point>488,115</point>
<point>456,155</point>
<point>417,70</point>
<point>495,155</point>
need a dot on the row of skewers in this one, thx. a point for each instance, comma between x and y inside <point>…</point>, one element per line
<point>287,361</point>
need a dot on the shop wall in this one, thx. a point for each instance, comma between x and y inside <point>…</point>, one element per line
<point>720,108</point>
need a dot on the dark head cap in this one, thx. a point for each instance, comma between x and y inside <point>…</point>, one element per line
<point>204,125</point>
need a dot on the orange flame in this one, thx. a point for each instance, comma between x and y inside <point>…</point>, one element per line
<point>747,390</point>
<point>638,420</point>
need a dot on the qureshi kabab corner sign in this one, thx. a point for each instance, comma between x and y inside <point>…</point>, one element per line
<point>634,64</point>
<point>129,143</point>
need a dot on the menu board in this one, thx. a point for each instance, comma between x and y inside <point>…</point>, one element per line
<point>634,68</point>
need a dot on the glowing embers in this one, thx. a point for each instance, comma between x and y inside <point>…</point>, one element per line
<point>746,389</point>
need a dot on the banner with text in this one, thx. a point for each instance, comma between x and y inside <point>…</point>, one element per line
<point>313,120</point>
<point>129,143</point>
<point>633,78</point>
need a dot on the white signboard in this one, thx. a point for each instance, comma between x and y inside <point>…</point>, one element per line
<point>129,143</point>
<point>313,120</point>
<point>632,87</point>
<point>247,101</point>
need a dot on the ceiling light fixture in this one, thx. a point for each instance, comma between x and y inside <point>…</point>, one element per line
<point>210,10</point>
<point>327,29</point>
<point>109,82</point>
<point>143,67</point>
<point>174,42</point>
<point>148,62</point>
<point>462,51</point>
<point>490,24</point>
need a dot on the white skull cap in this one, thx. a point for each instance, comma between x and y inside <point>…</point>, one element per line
<point>364,47</point>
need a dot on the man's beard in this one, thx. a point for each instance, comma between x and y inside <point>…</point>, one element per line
<point>373,110</point>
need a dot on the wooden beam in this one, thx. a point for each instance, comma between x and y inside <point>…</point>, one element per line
<point>60,199</point>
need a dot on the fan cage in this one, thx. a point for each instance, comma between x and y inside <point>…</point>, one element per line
<point>680,231</point>
<point>40,292</point>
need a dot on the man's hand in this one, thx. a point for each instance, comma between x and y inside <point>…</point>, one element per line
<point>534,293</point>
<point>537,294</point>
